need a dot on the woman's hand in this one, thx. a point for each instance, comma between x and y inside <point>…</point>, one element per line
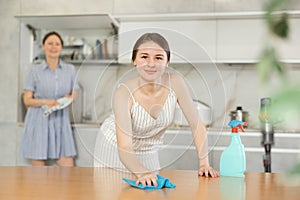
<point>72,95</point>
<point>207,171</point>
<point>149,179</point>
<point>51,102</point>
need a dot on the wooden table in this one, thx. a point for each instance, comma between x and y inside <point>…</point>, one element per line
<point>45,183</point>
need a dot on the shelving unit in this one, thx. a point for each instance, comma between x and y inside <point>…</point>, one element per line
<point>86,29</point>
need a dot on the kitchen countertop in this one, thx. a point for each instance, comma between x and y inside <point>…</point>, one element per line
<point>101,183</point>
<point>187,128</point>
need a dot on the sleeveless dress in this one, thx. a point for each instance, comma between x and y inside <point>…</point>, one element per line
<point>52,136</point>
<point>146,135</point>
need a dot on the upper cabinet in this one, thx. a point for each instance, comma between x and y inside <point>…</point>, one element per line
<point>224,37</point>
<point>229,37</point>
<point>289,50</point>
<point>240,40</point>
<point>190,41</point>
<point>87,38</point>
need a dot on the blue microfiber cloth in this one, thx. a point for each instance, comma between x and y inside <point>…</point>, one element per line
<point>162,182</point>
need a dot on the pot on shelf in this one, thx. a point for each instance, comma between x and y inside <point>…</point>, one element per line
<point>239,114</point>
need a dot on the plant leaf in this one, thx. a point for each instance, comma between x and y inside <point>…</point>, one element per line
<point>279,25</point>
<point>269,63</point>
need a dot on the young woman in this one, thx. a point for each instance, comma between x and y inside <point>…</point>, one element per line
<point>49,137</point>
<point>143,108</point>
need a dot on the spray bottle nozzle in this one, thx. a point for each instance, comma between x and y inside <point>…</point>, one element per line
<point>236,124</point>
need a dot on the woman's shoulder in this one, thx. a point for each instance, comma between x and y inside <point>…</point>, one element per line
<point>130,84</point>
<point>126,88</point>
<point>178,84</point>
<point>66,65</point>
<point>38,66</point>
<point>176,79</point>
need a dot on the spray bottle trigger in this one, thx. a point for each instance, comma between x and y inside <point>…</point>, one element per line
<point>236,124</point>
<point>241,127</point>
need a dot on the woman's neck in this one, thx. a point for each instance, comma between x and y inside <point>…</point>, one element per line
<point>149,88</point>
<point>52,62</point>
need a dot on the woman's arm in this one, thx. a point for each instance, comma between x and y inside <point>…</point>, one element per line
<point>30,101</point>
<point>187,106</point>
<point>122,106</point>
<point>72,95</point>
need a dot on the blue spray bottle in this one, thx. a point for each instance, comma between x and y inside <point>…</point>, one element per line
<point>233,159</point>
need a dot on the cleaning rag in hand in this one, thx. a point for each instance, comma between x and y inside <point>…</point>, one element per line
<point>162,182</point>
<point>62,103</point>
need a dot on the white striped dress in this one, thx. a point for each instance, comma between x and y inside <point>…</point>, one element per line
<point>146,135</point>
<point>48,137</point>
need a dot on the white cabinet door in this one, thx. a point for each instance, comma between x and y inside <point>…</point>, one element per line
<point>289,49</point>
<point>244,40</point>
<point>85,139</point>
<point>190,41</point>
<point>159,6</point>
<point>240,39</point>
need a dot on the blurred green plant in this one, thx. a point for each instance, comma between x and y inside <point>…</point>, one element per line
<point>268,64</point>
<point>287,98</point>
<point>278,26</point>
<point>277,22</point>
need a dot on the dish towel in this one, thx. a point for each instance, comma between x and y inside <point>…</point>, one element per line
<point>62,103</point>
<point>162,182</point>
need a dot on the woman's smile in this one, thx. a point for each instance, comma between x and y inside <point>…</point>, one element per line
<point>150,71</point>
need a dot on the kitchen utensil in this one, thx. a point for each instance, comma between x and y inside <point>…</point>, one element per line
<point>87,51</point>
<point>98,50</point>
<point>239,114</point>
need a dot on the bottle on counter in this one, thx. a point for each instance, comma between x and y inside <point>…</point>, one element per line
<point>233,158</point>
<point>264,114</point>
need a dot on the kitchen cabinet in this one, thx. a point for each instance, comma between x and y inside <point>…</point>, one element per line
<point>158,6</point>
<point>231,37</point>
<point>190,40</point>
<point>85,138</point>
<point>240,40</point>
<point>284,152</point>
<point>179,150</point>
<point>8,143</point>
<point>289,50</point>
